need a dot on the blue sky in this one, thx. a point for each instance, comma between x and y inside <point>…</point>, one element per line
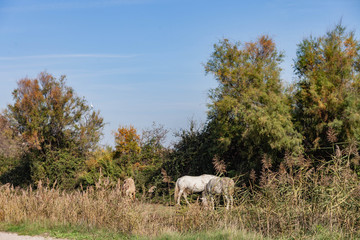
<point>141,61</point>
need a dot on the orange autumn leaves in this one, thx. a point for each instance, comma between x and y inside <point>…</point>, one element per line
<point>127,141</point>
<point>29,104</point>
<point>39,103</point>
<point>48,113</point>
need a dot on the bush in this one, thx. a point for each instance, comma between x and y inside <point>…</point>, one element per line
<point>58,166</point>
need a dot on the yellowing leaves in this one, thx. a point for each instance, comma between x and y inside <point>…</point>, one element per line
<point>48,114</point>
<point>99,155</point>
<point>127,140</point>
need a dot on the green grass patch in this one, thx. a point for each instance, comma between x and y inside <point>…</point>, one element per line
<point>82,233</point>
<point>62,231</point>
<point>213,235</point>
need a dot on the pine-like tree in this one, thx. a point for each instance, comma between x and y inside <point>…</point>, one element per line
<point>327,96</point>
<point>248,111</point>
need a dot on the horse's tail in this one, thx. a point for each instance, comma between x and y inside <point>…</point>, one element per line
<point>232,187</point>
<point>176,192</point>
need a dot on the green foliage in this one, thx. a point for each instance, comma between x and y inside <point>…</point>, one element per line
<point>147,169</point>
<point>139,158</point>
<point>248,113</point>
<point>15,171</point>
<point>101,163</point>
<point>251,116</point>
<point>152,144</point>
<point>193,153</point>
<point>13,168</point>
<point>327,94</point>
<point>58,127</point>
<point>58,166</point>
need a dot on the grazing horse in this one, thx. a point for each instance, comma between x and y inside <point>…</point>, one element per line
<point>189,184</point>
<point>129,188</point>
<point>224,186</point>
<point>151,191</point>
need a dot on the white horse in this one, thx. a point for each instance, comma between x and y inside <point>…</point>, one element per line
<point>189,184</point>
<point>219,185</point>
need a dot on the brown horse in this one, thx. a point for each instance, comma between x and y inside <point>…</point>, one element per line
<point>129,188</point>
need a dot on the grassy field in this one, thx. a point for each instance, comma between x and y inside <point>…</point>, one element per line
<point>80,232</point>
<point>84,232</point>
<point>297,202</point>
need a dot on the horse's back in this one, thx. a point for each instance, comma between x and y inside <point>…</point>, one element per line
<point>207,177</point>
<point>214,186</point>
<point>220,185</point>
<point>130,182</point>
<point>229,185</point>
<point>194,183</point>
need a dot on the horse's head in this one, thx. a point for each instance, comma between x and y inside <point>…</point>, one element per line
<point>204,202</point>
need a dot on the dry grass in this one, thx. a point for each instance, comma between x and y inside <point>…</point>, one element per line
<point>102,206</point>
<point>294,202</point>
<point>301,199</point>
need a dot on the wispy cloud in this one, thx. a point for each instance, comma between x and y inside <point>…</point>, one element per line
<point>58,56</point>
<point>44,5</point>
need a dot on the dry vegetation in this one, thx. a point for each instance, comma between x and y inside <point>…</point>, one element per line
<point>297,201</point>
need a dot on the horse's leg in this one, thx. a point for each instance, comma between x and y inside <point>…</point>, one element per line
<point>227,201</point>
<point>204,199</point>
<point>212,201</point>
<point>180,193</point>
<point>185,196</point>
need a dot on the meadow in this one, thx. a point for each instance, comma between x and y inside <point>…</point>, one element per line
<point>296,202</point>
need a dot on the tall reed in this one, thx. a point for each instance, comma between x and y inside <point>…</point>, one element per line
<point>298,200</point>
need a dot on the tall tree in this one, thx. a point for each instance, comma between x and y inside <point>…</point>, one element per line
<point>152,144</point>
<point>327,97</point>
<point>55,123</point>
<point>248,111</point>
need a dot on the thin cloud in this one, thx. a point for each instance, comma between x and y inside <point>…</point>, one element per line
<point>24,6</point>
<point>58,56</point>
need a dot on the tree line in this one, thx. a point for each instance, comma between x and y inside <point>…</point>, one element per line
<point>50,133</point>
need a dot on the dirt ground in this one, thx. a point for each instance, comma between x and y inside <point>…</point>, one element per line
<point>14,236</point>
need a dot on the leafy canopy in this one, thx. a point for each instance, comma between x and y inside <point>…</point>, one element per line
<point>248,107</point>
<point>49,114</point>
<point>58,128</point>
<point>327,94</point>
<point>127,141</point>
